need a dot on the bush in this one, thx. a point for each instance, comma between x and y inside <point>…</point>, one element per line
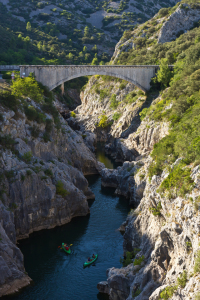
<point>138,261</point>
<point>27,87</point>
<point>48,172</point>
<point>49,125</point>
<point>122,86</point>
<point>46,137</point>
<point>178,182</point>
<point>27,157</point>
<point>9,100</point>
<point>168,292</point>
<point>116,116</point>
<point>103,123</point>
<point>35,131</point>
<point>73,114</point>
<point>28,172</point>
<point>113,102</point>
<point>34,114</point>
<point>127,260</point>
<point>156,210</point>
<point>182,279</point>
<point>197,262</point>
<point>197,297</point>
<point>7,142</point>
<point>60,190</point>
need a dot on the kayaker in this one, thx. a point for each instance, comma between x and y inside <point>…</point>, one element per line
<point>93,256</point>
<point>89,259</point>
<point>66,247</point>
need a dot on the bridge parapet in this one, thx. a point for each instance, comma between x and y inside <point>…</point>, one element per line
<point>9,68</point>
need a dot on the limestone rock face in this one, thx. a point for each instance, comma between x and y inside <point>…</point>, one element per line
<point>167,242</point>
<point>42,185</point>
<point>94,106</point>
<point>12,272</point>
<point>181,20</point>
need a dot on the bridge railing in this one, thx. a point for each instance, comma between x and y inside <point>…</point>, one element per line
<point>9,68</point>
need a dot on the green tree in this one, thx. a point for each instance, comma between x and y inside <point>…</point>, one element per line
<point>27,87</point>
<point>84,49</point>
<point>70,56</point>
<point>28,26</point>
<point>86,32</point>
<point>95,61</point>
<point>164,74</point>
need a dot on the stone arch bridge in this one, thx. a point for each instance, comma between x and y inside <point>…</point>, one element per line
<point>53,76</point>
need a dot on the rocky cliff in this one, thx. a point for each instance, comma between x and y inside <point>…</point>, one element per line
<point>42,183</point>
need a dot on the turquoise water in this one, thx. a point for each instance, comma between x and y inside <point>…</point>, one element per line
<point>57,275</point>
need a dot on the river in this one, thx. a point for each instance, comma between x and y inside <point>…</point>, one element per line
<point>57,275</point>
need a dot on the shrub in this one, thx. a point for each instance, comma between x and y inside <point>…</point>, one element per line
<point>35,131</point>
<point>136,293</point>
<point>116,116</point>
<point>156,210</point>
<point>60,190</point>
<point>9,100</point>
<point>182,279</point>
<point>9,174</point>
<point>113,102</point>
<point>168,292</point>
<point>22,177</point>
<point>48,172</point>
<point>127,260</point>
<point>197,262</point>
<point>138,261</point>
<point>7,142</point>
<point>27,87</point>
<point>49,125</point>
<point>178,182</point>
<point>27,157</point>
<point>33,114</point>
<point>103,123</point>
<point>197,296</point>
<point>28,172</point>
<point>122,86</point>
<point>73,114</point>
<point>46,137</point>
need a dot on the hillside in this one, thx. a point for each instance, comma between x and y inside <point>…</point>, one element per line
<point>67,32</point>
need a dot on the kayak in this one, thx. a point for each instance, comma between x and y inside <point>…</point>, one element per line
<point>67,251</point>
<point>87,263</point>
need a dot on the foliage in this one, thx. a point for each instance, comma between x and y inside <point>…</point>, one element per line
<point>168,292</point>
<point>128,259</point>
<point>156,210</point>
<point>138,261</point>
<point>197,296</point>
<point>7,142</point>
<point>73,114</point>
<point>182,279</point>
<point>60,190</point>
<point>164,74</point>
<point>113,102</point>
<point>27,157</point>
<point>103,123</point>
<point>28,172</point>
<point>34,114</point>
<point>178,182</point>
<point>48,172</point>
<point>8,100</point>
<point>27,87</point>
<point>116,116</point>
<point>46,137</point>
<point>137,293</point>
<point>197,262</point>
<point>35,131</point>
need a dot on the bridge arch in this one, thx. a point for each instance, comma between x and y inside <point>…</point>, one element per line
<point>99,73</point>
